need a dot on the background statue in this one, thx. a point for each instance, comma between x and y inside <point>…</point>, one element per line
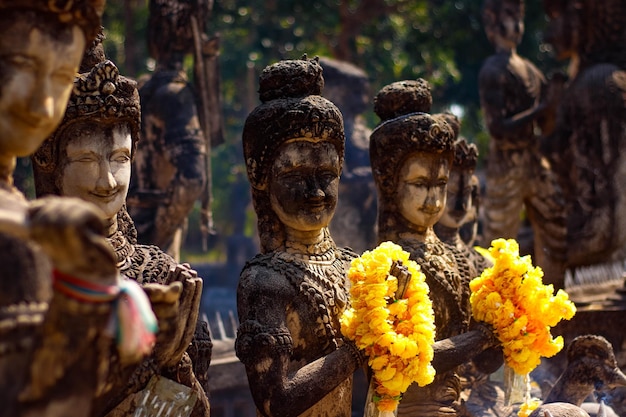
<point>517,176</point>
<point>171,165</point>
<point>354,222</point>
<point>54,344</point>
<point>89,157</point>
<point>291,296</point>
<point>589,138</point>
<point>412,153</point>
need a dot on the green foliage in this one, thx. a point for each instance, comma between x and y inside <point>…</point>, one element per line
<point>439,40</point>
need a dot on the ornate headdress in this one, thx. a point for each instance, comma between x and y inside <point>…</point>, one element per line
<point>84,13</point>
<point>465,155</point>
<point>405,129</point>
<point>101,95</point>
<point>291,108</point>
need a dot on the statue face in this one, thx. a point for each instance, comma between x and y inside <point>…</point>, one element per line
<point>458,199</point>
<point>36,78</point>
<point>304,184</point>
<point>563,31</point>
<point>421,190</point>
<point>506,29</point>
<point>98,167</point>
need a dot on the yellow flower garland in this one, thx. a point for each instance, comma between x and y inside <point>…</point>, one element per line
<point>512,298</point>
<point>396,335</point>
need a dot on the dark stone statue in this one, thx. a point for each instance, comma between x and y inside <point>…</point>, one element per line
<point>412,154</point>
<point>291,296</point>
<point>513,98</point>
<point>354,222</point>
<point>54,340</point>
<point>89,157</point>
<point>587,146</point>
<point>170,167</point>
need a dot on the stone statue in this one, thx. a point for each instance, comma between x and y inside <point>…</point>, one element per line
<point>513,99</point>
<point>354,222</point>
<point>291,295</point>
<point>412,153</point>
<point>54,339</point>
<point>460,191</point>
<point>587,145</point>
<point>170,168</point>
<point>591,366</point>
<point>89,157</point>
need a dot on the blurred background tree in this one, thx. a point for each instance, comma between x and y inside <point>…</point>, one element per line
<point>440,41</point>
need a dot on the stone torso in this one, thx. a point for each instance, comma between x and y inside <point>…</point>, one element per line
<point>313,295</point>
<point>510,84</point>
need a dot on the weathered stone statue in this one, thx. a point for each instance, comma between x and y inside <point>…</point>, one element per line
<point>354,222</point>
<point>412,153</point>
<point>460,190</point>
<point>589,138</point>
<point>170,168</point>
<point>89,157</point>
<point>511,94</point>
<point>291,296</point>
<point>54,342</point>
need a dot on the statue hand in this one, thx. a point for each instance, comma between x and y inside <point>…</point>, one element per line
<point>176,308</point>
<point>71,232</point>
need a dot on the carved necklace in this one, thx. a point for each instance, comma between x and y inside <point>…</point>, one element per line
<point>431,254</point>
<point>123,249</point>
<point>320,279</point>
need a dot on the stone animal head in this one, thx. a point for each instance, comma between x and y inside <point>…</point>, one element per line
<point>591,365</point>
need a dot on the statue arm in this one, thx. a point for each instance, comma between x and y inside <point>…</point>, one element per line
<point>265,346</point>
<point>501,124</point>
<point>456,350</point>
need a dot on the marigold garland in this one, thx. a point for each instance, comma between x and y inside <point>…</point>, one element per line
<point>512,298</point>
<point>396,334</point>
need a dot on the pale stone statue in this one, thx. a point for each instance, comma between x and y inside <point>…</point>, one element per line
<point>89,157</point>
<point>354,222</point>
<point>587,147</point>
<point>291,296</point>
<point>512,94</point>
<point>170,168</point>
<point>412,153</point>
<point>54,344</point>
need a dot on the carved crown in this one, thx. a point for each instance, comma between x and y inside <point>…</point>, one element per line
<point>101,95</point>
<point>292,108</point>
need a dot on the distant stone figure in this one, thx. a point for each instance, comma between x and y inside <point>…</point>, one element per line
<point>517,176</point>
<point>291,295</point>
<point>354,223</point>
<point>170,168</point>
<point>412,153</point>
<point>587,147</point>
<point>55,343</point>
<point>89,157</point>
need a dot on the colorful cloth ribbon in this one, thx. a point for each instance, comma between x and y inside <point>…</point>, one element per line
<point>133,322</point>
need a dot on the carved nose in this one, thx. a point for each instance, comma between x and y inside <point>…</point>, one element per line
<point>41,104</point>
<point>106,180</point>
